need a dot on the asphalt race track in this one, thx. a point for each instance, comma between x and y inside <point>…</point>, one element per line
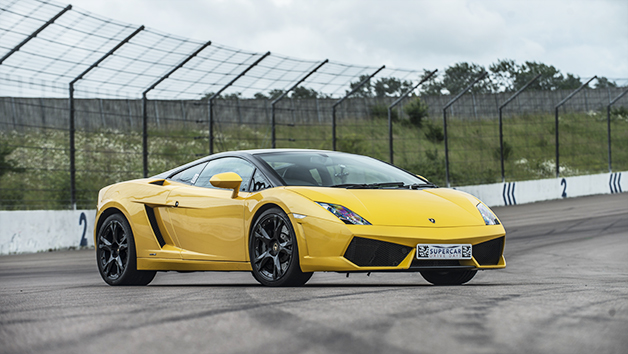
<point>565,290</point>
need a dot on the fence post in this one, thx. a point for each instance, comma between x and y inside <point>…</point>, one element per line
<point>501,130</point>
<point>396,102</point>
<point>608,123</point>
<point>333,107</point>
<point>272,104</point>
<point>556,120</point>
<point>144,104</point>
<point>453,100</point>
<point>72,130</point>
<point>210,107</point>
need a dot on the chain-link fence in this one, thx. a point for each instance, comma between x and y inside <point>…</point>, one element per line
<point>86,101</point>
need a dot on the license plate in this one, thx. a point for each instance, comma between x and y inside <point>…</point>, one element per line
<point>443,251</point>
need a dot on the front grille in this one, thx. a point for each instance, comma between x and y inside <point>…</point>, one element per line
<point>428,263</point>
<point>489,252</point>
<point>365,252</point>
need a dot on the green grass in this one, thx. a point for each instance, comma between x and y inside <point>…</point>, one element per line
<point>108,157</point>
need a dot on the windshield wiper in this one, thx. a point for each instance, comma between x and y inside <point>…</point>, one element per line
<point>369,185</point>
<point>421,185</point>
<point>385,185</point>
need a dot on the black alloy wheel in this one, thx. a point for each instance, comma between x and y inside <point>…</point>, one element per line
<point>449,277</point>
<point>115,254</point>
<point>274,252</point>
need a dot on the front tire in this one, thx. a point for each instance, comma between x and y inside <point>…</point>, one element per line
<point>274,251</point>
<point>115,254</point>
<point>449,277</point>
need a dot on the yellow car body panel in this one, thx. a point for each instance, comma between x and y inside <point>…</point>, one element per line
<point>205,229</point>
<point>208,223</point>
<point>402,207</point>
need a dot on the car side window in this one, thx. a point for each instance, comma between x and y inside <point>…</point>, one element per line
<point>259,182</point>
<point>189,175</point>
<point>226,164</point>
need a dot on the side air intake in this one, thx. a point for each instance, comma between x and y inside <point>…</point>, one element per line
<point>153,225</point>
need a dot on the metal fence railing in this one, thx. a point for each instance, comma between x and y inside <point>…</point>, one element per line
<point>87,101</point>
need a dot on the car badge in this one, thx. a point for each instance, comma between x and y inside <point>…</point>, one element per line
<point>432,220</point>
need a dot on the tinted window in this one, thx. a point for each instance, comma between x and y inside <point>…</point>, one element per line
<point>259,182</point>
<point>227,164</point>
<point>332,168</point>
<point>189,175</point>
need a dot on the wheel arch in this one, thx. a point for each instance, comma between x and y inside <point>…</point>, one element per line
<point>104,215</point>
<point>256,216</point>
<point>300,237</point>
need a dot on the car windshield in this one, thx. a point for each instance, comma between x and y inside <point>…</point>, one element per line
<point>334,169</point>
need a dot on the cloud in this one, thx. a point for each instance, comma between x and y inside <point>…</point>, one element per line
<point>408,34</point>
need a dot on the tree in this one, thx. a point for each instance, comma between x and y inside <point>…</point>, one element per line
<point>365,90</point>
<point>391,86</point>
<point>570,82</point>
<point>511,76</point>
<point>299,92</point>
<point>502,75</point>
<point>274,93</point>
<point>304,92</point>
<point>432,86</point>
<point>456,78</point>
<point>228,96</point>
<point>383,87</point>
<point>603,82</point>
<point>416,111</point>
<point>461,75</point>
<point>231,96</point>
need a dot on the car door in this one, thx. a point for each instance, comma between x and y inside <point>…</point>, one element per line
<point>208,222</point>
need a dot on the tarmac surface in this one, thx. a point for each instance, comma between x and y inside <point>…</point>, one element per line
<point>565,290</point>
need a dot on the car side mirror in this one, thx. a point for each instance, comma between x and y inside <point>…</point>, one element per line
<point>227,180</point>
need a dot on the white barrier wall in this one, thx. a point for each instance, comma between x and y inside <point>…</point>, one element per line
<point>41,230</point>
<point>513,193</point>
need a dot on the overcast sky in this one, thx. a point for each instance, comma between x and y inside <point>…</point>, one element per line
<point>583,37</point>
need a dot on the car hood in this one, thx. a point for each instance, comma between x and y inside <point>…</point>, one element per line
<point>402,207</point>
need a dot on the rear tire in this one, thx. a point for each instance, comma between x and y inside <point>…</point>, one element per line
<point>274,251</point>
<point>116,256</point>
<point>449,277</point>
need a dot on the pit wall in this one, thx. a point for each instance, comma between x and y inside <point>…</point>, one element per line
<point>44,230</point>
<point>513,193</point>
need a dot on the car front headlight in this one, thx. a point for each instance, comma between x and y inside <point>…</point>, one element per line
<point>344,214</point>
<point>487,214</point>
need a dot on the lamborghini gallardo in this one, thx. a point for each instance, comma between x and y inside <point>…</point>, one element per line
<point>283,214</point>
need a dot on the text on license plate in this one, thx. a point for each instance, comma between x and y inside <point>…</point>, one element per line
<point>432,251</point>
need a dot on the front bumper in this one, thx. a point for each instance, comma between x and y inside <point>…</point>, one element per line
<point>330,246</point>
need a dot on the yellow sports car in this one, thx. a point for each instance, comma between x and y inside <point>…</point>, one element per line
<point>283,214</point>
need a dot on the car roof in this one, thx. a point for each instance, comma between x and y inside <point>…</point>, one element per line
<point>247,154</point>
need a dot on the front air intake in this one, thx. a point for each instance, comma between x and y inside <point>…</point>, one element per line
<point>365,252</point>
<point>489,252</point>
